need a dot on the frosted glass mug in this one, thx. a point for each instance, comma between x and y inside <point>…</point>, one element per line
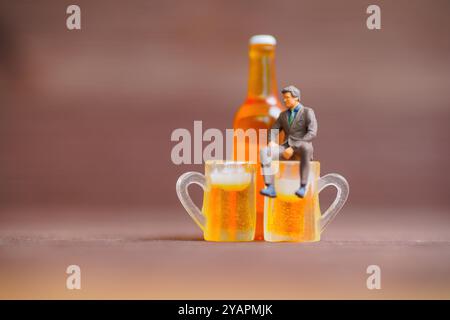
<point>290,218</point>
<point>229,200</point>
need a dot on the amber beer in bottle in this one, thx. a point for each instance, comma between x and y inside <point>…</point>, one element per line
<point>260,109</point>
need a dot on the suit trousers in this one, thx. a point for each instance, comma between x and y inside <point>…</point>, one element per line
<point>303,152</point>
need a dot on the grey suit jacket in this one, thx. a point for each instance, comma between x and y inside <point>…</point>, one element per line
<point>303,127</point>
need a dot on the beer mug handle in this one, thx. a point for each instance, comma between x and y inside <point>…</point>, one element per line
<point>342,187</point>
<point>183,183</point>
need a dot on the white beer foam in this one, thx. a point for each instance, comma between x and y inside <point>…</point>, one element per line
<point>230,177</point>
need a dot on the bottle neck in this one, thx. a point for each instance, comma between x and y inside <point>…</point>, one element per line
<point>262,81</point>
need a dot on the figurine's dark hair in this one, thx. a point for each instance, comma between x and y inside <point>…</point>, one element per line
<point>295,92</point>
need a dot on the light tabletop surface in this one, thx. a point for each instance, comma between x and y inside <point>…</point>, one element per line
<point>160,254</point>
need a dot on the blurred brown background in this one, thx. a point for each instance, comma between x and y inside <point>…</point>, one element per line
<point>86,116</point>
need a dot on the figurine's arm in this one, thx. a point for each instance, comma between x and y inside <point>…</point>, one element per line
<point>274,131</point>
<point>312,126</point>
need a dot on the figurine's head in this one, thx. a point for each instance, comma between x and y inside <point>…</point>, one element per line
<point>291,96</point>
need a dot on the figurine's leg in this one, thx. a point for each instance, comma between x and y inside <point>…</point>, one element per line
<point>305,163</point>
<point>305,151</point>
<point>266,161</point>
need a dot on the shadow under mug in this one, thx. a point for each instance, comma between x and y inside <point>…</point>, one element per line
<point>290,218</point>
<point>229,202</point>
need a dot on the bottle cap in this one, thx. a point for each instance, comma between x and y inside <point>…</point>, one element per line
<point>263,39</point>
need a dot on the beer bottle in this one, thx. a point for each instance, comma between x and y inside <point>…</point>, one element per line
<point>260,109</point>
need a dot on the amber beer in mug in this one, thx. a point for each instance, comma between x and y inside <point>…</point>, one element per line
<point>229,204</point>
<point>290,218</point>
<point>260,109</point>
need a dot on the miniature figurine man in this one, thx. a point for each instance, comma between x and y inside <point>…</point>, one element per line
<point>300,127</point>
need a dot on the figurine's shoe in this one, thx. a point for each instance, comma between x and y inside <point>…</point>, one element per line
<point>301,192</point>
<point>269,191</point>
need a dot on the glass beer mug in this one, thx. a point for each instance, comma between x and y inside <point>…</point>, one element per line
<point>290,218</point>
<point>229,202</point>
